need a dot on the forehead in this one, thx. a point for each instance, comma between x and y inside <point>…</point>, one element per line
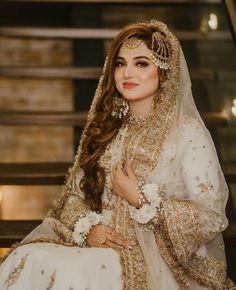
<point>140,50</point>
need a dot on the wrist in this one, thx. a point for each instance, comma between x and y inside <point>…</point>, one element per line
<point>150,206</point>
<point>84,225</point>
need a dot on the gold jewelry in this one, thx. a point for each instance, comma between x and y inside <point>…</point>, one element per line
<point>131,43</point>
<point>161,54</point>
<point>120,107</point>
<point>101,240</point>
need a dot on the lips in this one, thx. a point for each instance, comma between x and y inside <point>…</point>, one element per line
<point>129,85</point>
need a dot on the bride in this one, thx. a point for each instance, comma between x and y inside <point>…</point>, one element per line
<point>143,207</point>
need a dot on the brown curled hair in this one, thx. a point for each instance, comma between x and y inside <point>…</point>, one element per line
<point>103,128</point>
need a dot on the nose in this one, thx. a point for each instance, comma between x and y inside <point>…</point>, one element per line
<point>128,71</point>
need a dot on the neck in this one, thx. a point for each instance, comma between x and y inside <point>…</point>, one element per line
<point>141,107</point>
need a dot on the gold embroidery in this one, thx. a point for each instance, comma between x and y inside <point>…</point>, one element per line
<point>15,274</point>
<point>183,226</point>
<point>133,263</point>
<point>52,281</point>
<point>177,240</point>
<point>207,271</point>
<point>167,252</point>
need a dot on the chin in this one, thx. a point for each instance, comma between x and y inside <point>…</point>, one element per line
<point>131,97</point>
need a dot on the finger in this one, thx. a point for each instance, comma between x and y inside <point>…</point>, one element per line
<point>119,166</point>
<point>129,169</point>
<point>118,239</point>
<point>97,245</point>
<point>112,244</point>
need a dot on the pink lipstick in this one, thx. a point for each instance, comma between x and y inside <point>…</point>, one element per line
<point>129,85</point>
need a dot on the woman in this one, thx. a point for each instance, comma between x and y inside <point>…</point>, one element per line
<point>144,204</point>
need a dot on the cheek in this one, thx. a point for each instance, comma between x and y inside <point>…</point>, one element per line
<point>151,77</point>
<point>116,76</point>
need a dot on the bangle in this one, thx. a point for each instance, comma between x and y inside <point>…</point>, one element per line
<point>151,193</point>
<point>141,198</point>
<point>83,226</point>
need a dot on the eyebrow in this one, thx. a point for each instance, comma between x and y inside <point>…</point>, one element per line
<point>137,57</point>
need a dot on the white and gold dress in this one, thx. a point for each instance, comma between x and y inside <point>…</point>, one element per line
<point>181,247</point>
<point>167,254</point>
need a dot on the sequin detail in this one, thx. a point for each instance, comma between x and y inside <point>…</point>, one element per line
<point>52,281</point>
<point>15,274</point>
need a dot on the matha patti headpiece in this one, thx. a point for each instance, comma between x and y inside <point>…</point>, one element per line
<point>161,51</point>
<point>131,43</point>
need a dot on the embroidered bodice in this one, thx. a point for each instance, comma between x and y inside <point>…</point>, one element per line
<point>135,141</point>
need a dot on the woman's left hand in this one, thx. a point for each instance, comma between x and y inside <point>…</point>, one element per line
<point>125,182</point>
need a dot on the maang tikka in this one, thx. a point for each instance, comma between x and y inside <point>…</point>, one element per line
<point>120,107</point>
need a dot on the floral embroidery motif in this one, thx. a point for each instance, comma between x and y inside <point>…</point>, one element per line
<point>15,274</point>
<point>51,281</point>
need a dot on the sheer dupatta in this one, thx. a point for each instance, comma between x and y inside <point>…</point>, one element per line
<point>193,207</point>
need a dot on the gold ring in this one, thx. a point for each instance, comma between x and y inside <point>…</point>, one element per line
<point>102,240</point>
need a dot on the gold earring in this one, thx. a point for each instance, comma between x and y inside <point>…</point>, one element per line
<point>120,107</point>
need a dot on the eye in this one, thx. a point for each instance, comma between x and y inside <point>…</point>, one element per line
<point>119,63</point>
<point>142,64</point>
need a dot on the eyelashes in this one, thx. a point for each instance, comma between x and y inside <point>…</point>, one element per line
<point>138,63</point>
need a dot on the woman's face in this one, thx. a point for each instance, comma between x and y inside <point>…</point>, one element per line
<point>136,77</point>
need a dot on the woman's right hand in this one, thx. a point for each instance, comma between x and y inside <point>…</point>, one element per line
<point>105,237</point>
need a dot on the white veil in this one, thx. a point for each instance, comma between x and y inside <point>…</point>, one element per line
<point>211,210</point>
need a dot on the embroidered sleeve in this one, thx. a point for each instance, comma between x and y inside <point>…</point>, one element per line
<point>70,207</point>
<point>180,219</point>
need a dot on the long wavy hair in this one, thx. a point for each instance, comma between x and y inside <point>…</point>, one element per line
<point>103,128</point>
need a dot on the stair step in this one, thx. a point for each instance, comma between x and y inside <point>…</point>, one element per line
<point>122,1</point>
<point>13,231</point>
<point>212,120</point>
<point>101,33</point>
<point>43,118</point>
<point>33,173</point>
<point>89,73</point>
<point>51,72</point>
<point>229,169</point>
<point>55,172</point>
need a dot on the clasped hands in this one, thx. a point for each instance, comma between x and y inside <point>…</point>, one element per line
<point>124,184</point>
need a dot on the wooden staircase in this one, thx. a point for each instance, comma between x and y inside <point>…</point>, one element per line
<point>86,71</point>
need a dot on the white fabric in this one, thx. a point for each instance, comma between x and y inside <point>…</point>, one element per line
<point>76,268</point>
<point>188,154</point>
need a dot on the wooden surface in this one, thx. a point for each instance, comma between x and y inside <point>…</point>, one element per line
<point>33,173</point>
<point>212,120</point>
<point>120,1</point>
<point>102,33</point>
